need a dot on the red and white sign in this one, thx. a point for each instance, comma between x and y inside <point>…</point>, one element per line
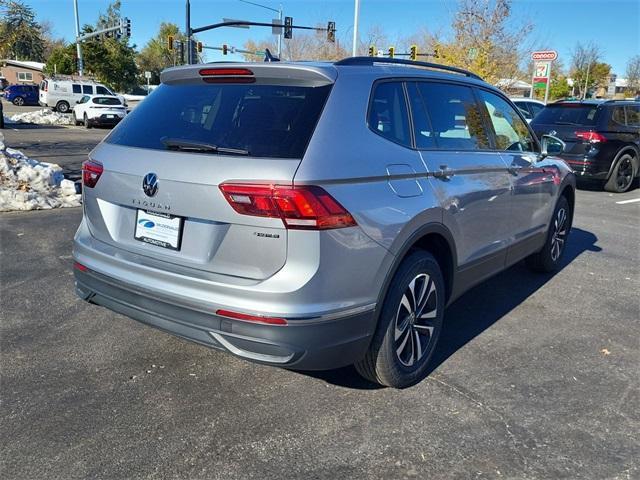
<point>549,55</point>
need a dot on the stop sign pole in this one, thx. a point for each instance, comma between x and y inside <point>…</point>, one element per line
<point>544,58</point>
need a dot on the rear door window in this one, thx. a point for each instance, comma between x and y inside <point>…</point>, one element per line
<point>633,115</point>
<point>568,114</point>
<point>456,119</point>
<point>76,88</point>
<point>388,114</point>
<point>265,120</point>
<point>617,115</point>
<point>422,128</point>
<point>87,89</point>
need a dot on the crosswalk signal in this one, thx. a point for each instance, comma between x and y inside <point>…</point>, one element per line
<point>392,52</point>
<point>170,42</point>
<point>413,54</point>
<point>225,49</point>
<point>331,32</point>
<point>288,24</point>
<point>372,51</point>
<point>199,47</point>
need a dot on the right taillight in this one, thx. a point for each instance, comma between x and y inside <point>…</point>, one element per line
<point>593,137</point>
<point>91,172</point>
<point>305,207</point>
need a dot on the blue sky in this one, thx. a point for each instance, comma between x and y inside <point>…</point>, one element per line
<point>559,24</point>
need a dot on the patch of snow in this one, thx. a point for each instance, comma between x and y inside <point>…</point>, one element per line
<point>27,184</point>
<point>42,117</point>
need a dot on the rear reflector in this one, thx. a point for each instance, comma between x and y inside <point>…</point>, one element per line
<point>224,71</point>
<point>251,318</point>
<point>91,172</point>
<point>79,266</point>
<point>305,207</point>
<point>593,137</point>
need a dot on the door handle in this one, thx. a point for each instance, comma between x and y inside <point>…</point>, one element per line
<point>444,173</point>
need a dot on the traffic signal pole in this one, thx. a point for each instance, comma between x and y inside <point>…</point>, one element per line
<point>78,47</point>
<point>189,34</point>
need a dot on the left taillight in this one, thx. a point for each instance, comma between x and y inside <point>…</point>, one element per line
<point>304,207</point>
<point>91,172</point>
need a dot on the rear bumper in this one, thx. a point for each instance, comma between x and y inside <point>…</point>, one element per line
<point>589,167</point>
<point>104,121</point>
<point>303,344</point>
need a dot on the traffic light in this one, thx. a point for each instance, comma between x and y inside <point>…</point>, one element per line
<point>372,51</point>
<point>288,23</point>
<point>181,52</point>
<point>436,51</point>
<point>170,42</point>
<point>199,47</point>
<point>413,54</point>
<point>392,51</point>
<point>225,49</point>
<point>127,27</point>
<point>331,32</point>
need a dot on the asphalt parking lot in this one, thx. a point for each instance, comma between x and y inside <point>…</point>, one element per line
<point>536,376</point>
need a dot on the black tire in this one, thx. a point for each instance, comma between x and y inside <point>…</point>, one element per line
<point>404,342</point>
<point>548,258</point>
<point>87,123</point>
<point>75,120</point>
<point>62,107</point>
<point>623,173</point>
<point>19,101</point>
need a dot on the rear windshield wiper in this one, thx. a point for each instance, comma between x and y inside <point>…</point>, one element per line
<point>194,146</point>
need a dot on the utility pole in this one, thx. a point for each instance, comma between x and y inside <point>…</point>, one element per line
<point>78,47</point>
<point>354,49</point>
<point>188,32</point>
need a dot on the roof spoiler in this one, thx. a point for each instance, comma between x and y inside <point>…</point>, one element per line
<point>265,73</point>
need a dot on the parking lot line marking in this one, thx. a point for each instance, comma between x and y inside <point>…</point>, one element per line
<point>628,201</point>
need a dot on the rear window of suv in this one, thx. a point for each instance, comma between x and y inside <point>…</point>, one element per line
<point>567,114</point>
<point>265,120</point>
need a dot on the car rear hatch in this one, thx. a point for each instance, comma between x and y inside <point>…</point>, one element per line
<point>571,122</point>
<point>159,173</point>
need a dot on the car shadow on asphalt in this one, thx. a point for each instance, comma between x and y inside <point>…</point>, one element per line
<point>477,310</point>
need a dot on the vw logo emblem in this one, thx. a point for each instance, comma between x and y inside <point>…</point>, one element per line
<point>150,184</point>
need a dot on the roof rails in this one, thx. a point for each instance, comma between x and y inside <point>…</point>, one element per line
<point>354,61</point>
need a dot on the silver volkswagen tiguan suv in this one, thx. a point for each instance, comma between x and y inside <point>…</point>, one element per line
<point>316,215</point>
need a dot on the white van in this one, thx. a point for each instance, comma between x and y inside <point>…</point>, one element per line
<point>62,94</point>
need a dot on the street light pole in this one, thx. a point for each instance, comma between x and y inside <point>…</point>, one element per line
<point>354,49</point>
<point>279,12</point>
<point>78,47</point>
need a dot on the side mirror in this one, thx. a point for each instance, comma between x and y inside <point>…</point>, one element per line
<point>77,101</point>
<point>551,146</point>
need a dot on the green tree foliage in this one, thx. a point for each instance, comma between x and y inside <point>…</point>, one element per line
<point>156,56</point>
<point>112,61</point>
<point>20,35</point>
<point>559,88</point>
<point>62,60</point>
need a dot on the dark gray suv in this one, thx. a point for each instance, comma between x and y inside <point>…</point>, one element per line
<point>316,215</point>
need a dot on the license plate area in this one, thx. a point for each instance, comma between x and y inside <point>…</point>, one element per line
<point>159,229</point>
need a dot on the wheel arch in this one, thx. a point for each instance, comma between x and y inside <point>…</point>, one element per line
<point>437,240</point>
<point>626,148</point>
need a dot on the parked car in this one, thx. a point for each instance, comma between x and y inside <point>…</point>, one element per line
<point>62,94</point>
<point>602,138</point>
<point>248,207</point>
<point>530,107</point>
<point>98,110</point>
<point>22,94</point>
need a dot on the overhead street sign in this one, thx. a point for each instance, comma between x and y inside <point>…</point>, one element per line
<point>544,55</point>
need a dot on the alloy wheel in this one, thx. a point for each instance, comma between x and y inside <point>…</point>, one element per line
<point>414,323</point>
<point>625,173</point>
<point>559,234</point>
